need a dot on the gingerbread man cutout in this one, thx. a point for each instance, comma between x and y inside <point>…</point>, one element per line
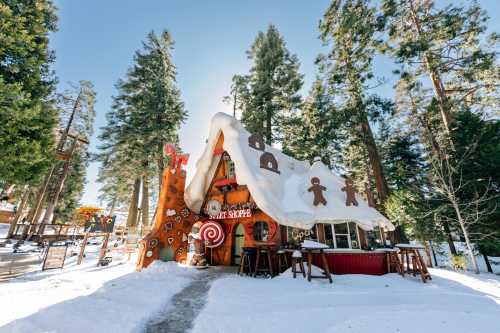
<point>350,192</point>
<point>317,189</point>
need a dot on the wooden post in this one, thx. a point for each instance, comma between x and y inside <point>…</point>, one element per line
<point>82,248</point>
<point>102,251</point>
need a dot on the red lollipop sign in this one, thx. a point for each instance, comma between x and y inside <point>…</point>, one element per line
<point>212,233</point>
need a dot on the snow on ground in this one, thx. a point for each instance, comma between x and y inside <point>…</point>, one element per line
<point>4,228</point>
<point>87,298</point>
<point>450,303</point>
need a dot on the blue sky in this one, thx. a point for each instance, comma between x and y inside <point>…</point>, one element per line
<point>96,41</point>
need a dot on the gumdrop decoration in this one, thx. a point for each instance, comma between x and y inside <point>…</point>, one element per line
<point>269,162</point>
<point>317,190</point>
<point>185,212</point>
<point>350,192</point>
<point>256,141</point>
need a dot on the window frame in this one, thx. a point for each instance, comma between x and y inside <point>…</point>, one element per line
<point>349,240</point>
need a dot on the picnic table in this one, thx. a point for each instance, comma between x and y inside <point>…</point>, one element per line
<point>414,262</point>
<point>310,247</point>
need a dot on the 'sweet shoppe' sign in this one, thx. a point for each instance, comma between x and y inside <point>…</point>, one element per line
<point>233,214</point>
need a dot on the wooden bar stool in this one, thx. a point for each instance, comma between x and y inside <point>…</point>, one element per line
<point>282,260</point>
<point>246,261</point>
<point>394,263</point>
<point>263,261</point>
<point>297,259</point>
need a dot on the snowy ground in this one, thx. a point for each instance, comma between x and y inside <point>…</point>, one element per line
<point>451,302</point>
<point>87,298</point>
<point>115,298</point>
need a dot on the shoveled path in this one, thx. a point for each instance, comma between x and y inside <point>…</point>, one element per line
<point>187,304</point>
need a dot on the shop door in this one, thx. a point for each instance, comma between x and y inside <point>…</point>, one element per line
<point>166,254</point>
<point>239,237</point>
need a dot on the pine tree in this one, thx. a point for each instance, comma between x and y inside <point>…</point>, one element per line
<point>146,114</point>
<point>351,26</point>
<point>449,47</point>
<point>269,93</point>
<point>27,112</point>
<point>312,133</point>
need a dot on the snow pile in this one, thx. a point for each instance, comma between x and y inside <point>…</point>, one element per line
<point>450,303</point>
<point>4,229</point>
<point>309,244</point>
<point>284,196</point>
<point>86,298</point>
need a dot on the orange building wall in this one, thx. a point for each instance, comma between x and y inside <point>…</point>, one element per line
<point>172,231</point>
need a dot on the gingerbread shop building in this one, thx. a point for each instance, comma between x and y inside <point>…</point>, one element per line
<point>245,192</point>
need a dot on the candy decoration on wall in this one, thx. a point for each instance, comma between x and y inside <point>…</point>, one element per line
<point>273,227</point>
<point>350,192</point>
<point>269,162</point>
<point>212,233</point>
<point>256,141</point>
<point>317,189</point>
<point>184,212</point>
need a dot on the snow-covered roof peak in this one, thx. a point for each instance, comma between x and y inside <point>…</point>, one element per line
<point>280,185</point>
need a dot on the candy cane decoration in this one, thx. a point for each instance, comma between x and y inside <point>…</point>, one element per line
<point>212,231</point>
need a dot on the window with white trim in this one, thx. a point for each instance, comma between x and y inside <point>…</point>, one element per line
<point>342,235</point>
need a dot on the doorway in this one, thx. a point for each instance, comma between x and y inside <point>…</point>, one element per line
<point>239,238</point>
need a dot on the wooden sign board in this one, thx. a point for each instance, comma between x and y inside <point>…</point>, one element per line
<point>55,257</point>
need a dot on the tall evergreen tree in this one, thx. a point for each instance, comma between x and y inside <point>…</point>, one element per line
<point>146,114</point>
<point>352,27</point>
<point>269,93</point>
<point>312,133</point>
<point>27,112</point>
<point>449,47</point>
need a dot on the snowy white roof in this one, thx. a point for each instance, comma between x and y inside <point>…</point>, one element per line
<point>283,196</point>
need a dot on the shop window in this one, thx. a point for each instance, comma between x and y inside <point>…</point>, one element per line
<point>295,236</point>
<point>342,235</point>
<point>373,238</point>
<point>260,231</point>
<point>353,232</point>
<point>329,235</point>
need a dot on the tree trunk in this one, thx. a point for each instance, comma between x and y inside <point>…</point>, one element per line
<point>428,254</point>
<point>466,236</point>
<point>134,201</point>
<point>161,166</point>
<point>113,206</point>
<point>488,265</point>
<point>51,205</point>
<point>375,162</point>
<point>433,254</point>
<point>269,130</point>
<point>145,202</point>
<point>437,82</point>
<point>449,239</point>
<point>64,136</point>
<point>19,212</point>
<point>36,208</point>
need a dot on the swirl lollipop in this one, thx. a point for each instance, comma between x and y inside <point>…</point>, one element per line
<point>212,231</point>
